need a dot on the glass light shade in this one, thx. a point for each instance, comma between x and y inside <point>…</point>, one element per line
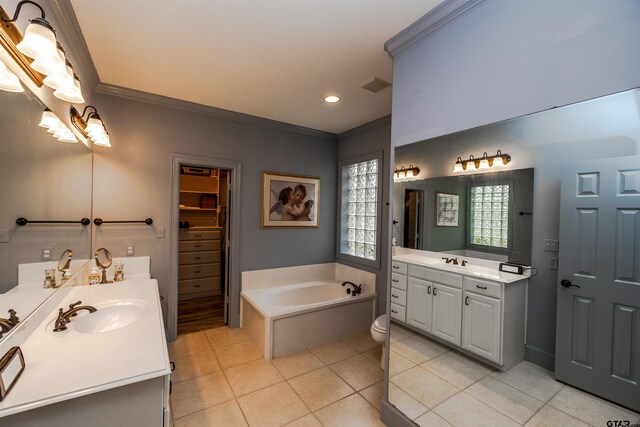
<point>67,136</point>
<point>94,127</point>
<point>484,164</point>
<point>49,120</point>
<point>471,165</point>
<point>498,162</point>
<point>39,43</point>
<point>49,65</point>
<point>103,141</point>
<point>9,81</point>
<point>60,78</point>
<point>72,94</point>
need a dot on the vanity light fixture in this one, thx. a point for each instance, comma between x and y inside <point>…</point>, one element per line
<point>404,173</point>
<point>92,126</point>
<point>70,91</point>
<point>484,162</point>
<point>9,81</point>
<point>54,125</point>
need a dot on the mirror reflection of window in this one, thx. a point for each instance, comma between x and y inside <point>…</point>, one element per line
<point>489,224</point>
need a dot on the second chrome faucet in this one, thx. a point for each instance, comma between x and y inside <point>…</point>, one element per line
<point>64,317</point>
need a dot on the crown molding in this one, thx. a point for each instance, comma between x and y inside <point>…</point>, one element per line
<point>430,22</point>
<point>366,128</point>
<point>219,113</point>
<point>68,24</point>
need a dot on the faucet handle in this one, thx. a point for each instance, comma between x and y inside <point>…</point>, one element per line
<point>464,262</point>
<point>71,306</point>
<point>447,260</point>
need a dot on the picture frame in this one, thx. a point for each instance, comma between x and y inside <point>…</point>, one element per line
<point>290,201</point>
<point>447,209</point>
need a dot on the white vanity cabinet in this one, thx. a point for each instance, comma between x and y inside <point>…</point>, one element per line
<point>399,291</point>
<point>447,313</point>
<point>419,310</point>
<point>481,326</point>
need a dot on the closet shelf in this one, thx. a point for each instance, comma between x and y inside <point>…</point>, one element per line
<point>198,192</point>
<point>194,208</point>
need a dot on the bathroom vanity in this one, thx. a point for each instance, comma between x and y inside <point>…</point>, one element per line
<point>475,308</point>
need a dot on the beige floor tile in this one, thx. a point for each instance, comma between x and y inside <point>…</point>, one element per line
<point>417,349</point>
<point>296,364</point>
<point>464,410</point>
<point>470,361</point>
<point>399,333</point>
<point>306,421</point>
<point>237,354</point>
<point>361,342</point>
<point>227,414</point>
<point>398,363</point>
<point>513,403</point>
<point>352,411</point>
<point>275,405</point>
<point>188,344</point>
<point>358,371</point>
<point>252,376</point>
<point>333,352</point>
<point>374,355</point>
<point>319,388</point>
<point>453,371</point>
<point>549,416</point>
<point>194,365</point>
<point>199,393</point>
<point>590,409</point>
<point>374,394</point>
<point>431,419</point>
<point>405,403</point>
<point>425,387</point>
<point>531,379</point>
<point>220,337</point>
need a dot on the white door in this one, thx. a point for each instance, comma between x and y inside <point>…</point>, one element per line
<point>481,326</point>
<point>447,313</point>
<point>598,309</point>
<point>419,304</point>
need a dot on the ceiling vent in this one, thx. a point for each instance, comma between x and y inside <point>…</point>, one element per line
<point>375,84</point>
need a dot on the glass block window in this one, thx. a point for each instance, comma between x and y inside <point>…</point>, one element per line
<point>490,215</point>
<point>360,209</point>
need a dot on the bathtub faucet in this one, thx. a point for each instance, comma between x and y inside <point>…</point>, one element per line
<point>357,289</point>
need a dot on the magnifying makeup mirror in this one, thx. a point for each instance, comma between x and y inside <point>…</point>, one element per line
<point>104,260</point>
<point>64,264</point>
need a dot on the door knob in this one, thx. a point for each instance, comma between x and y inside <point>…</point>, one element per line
<point>567,284</point>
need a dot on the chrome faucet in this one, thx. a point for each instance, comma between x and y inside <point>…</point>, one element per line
<point>64,317</point>
<point>453,261</point>
<point>7,324</point>
<point>357,289</point>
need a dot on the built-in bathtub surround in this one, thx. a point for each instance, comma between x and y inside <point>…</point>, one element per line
<point>284,310</point>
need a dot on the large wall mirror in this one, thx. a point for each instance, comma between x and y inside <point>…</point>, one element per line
<point>436,211</point>
<point>41,179</point>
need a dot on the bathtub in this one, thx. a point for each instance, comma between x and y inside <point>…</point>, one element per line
<point>290,318</point>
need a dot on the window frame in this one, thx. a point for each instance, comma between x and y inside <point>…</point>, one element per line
<point>342,214</point>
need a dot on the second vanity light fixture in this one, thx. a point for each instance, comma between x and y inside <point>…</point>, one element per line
<point>54,125</point>
<point>405,173</point>
<point>484,162</point>
<point>90,126</point>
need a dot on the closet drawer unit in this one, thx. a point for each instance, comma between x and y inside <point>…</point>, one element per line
<point>199,235</point>
<point>437,276</point>
<point>398,297</point>
<point>198,271</point>
<point>198,246</point>
<point>399,281</point>
<point>483,287</point>
<point>398,267</point>
<point>196,285</point>
<point>398,312</point>
<point>198,257</point>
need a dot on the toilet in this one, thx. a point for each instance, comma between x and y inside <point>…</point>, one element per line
<point>379,333</point>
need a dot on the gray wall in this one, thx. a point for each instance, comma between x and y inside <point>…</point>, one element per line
<point>503,59</point>
<point>371,138</point>
<point>132,180</point>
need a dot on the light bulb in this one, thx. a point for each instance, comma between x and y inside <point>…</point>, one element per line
<point>9,81</point>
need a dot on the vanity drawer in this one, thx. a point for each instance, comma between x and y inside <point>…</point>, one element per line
<point>399,281</point>
<point>398,297</point>
<point>398,312</point>
<point>198,271</point>
<point>398,267</point>
<point>198,285</point>
<point>197,246</point>
<point>483,287</point>
<point>437,276</point>
<point>198,257</point>
<point>199,234</point>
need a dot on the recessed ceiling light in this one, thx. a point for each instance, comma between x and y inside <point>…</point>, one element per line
<point>332,99</point>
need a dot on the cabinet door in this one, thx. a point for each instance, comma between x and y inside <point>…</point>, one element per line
<point>447,313</point>
<point>419,303</point>
<point>482,331</point>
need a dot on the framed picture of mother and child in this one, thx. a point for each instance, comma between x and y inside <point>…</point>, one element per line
<point>290,200</point>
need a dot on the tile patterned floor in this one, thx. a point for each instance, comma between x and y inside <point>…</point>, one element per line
<point>221,379</point>
<point>435,386</point>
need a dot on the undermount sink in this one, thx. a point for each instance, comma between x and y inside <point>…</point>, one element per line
<point>110,316</point>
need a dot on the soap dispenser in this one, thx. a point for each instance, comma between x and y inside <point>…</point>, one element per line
<point>118,275</point>
<point>94,276</point>
<point>50,277</point>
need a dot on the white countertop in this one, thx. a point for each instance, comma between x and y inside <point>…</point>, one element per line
<point>69,364</point>
<point>484,271</point>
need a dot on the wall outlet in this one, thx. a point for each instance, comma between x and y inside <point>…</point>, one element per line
<point>551,245</point>
<point>131,250</point>
<point>160,232</point>
<point>553,263</point>
<point>4,236</point>
<point>45,254</point>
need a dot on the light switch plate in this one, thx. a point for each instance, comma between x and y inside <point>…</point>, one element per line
<point>551,245</point>
<point>160,232</point>
<point>131,250</point>
<point>4,236</point>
